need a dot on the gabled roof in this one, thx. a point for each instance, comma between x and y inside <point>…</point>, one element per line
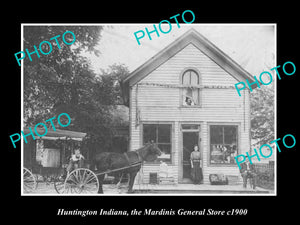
<point>199,41</point>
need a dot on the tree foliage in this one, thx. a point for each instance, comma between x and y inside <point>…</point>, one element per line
<point>63,81</point>
<point>262,114</point>
<point>52,77</point>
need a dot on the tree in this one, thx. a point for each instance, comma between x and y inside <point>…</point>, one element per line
<point>50,78</point>
<point>63,82</point>
<point>262,114</point>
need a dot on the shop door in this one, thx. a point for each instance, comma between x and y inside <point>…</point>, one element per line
<point>190,139</point>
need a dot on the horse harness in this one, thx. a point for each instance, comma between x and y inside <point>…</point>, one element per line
<point>140,160</point>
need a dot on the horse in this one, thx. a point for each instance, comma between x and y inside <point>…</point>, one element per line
<point>132,160</point>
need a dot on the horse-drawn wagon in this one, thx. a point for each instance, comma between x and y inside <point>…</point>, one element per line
<point>45,158</point>
<point>78,181</point>
<point>88,179</point>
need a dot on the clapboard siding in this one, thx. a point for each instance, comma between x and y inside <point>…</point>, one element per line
<point>169,72</point>
<point>163,104</point>
<point>170,97</point>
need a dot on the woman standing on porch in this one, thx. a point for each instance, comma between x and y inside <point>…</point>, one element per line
<point>196,170</point>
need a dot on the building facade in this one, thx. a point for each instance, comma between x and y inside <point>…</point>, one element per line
<point>185,96</point>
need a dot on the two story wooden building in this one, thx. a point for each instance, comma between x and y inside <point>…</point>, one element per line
<point>185,96</point>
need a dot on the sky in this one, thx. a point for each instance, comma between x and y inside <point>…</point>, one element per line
<point>250,45</point>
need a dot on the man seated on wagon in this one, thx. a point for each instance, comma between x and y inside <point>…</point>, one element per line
<point>76,161</point>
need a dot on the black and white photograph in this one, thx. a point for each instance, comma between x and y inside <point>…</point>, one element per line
<point>144,109</point>
<point>128,114</point>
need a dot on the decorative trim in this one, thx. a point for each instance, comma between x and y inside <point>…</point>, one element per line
<point>186,86</point>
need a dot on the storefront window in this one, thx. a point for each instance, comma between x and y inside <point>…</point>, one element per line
<point>223,144</point>
<point>161,135</point>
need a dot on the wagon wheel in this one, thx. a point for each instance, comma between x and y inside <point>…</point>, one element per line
<point>59,184</point>
<point>81,181</point>
<point>29,181</point>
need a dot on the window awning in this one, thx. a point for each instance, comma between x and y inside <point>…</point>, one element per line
<point>57,134</point>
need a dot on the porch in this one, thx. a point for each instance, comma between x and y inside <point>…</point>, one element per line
<point>184,189</point>
<point>198,189</point>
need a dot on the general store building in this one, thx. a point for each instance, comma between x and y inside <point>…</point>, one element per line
<point>185,96</point>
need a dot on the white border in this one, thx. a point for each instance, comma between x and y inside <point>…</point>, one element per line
<point>140,24</point>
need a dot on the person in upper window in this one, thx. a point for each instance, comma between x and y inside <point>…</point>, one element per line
<point>189,101</point>
<point>196,170</point>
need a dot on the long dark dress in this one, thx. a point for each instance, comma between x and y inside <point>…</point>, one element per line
<point>196,171</point>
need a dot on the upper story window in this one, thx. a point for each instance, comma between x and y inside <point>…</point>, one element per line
<point>190,92</point>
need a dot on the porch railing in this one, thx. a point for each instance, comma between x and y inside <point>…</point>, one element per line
<point>265,174</point>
